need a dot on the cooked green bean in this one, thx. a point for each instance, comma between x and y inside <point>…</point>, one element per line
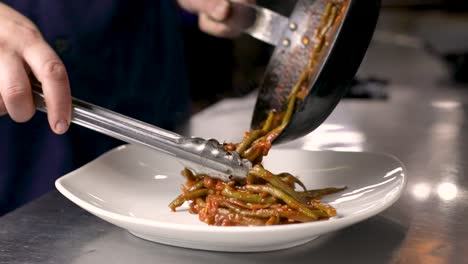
<point>250,206</point>
<point>274,220</point>
<point>243,220</point>
<point>289,110</point>
<point>331,20</point>
<point>260,172</point>
<point>252,179</point>
<point>188,175</point>
<point>261,146</point>
<point>197,185</point>
<point>286,177</point>
<point>328,210</point>
<point>187,196</point>
<point>267,213</point>
<point>326,13</point>
<point>247,197</point>
<point>251,137</point>
<point>200,202</point>
<point>177,202</point>
<point>252,153</point>
<point>302,79</point>
<point>269,122</point>
<point>293,203</point>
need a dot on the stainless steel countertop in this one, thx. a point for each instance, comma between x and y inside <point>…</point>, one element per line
<point>422,124</point>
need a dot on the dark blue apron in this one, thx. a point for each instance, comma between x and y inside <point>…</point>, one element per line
<point>124,55</point>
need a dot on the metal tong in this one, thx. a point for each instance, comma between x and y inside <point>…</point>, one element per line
<point>200,155</point>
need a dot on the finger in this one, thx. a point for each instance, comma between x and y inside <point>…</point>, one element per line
<point>215,28</point>
<point>15,88</point>
<point>2,107</point>
<point>216,9</point>
<point>50,71</point>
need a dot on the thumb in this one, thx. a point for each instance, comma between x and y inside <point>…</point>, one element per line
<point>216,9</point>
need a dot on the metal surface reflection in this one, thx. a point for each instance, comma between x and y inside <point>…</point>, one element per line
<point>446,104</point>
<point>447,191</point>
<point>421,191</point>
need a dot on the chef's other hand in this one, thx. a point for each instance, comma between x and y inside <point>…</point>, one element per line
<point>211,15</point>
<point>23,50</point>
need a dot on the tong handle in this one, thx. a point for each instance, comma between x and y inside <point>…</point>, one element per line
<point>115,125</point>
<point>200,155</point>
<point>258,22</point>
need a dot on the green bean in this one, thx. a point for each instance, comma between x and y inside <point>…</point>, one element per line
<point>290,201</point>
<point>269,122</point>
<point>331,20</point>
<point>298,216</point>
<point>249,206</point>
<point>262,144</point>
<point>200,202</point>
<point>292,96</point>
<point>296,87</point>
<point>261,213</point>
<point>258,160</point>
<point>241,220</point>
<point>326,209</point>
<point>247,141</point>
<point>267,213</point>
<point>247,197</point>
<point>256,151</point>
<point>326,13</point>
<point>187,196</point>
<point>188,175</point>
<point>177,202</point>
<point>289,110</point>
<point>253,153</point>
<point>322,39</point>
<point>197,185</point>
<point>260,172</point>
<point>270,136</point>
<point>273,134</point>
<point>303,78</point>
<point>274,220</point>
<point>196,193</point>
<point>287,177</point>
<point>252,179</point>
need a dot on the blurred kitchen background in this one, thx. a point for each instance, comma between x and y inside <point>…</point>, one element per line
<point>437,28</point>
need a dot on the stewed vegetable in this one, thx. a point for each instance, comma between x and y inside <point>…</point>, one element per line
<point>264,198</point>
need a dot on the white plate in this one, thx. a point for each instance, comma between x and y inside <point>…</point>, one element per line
<point>131,187</point>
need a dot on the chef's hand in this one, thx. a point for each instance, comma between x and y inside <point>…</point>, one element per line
<point>211,15</point>
<point>23,50</point>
